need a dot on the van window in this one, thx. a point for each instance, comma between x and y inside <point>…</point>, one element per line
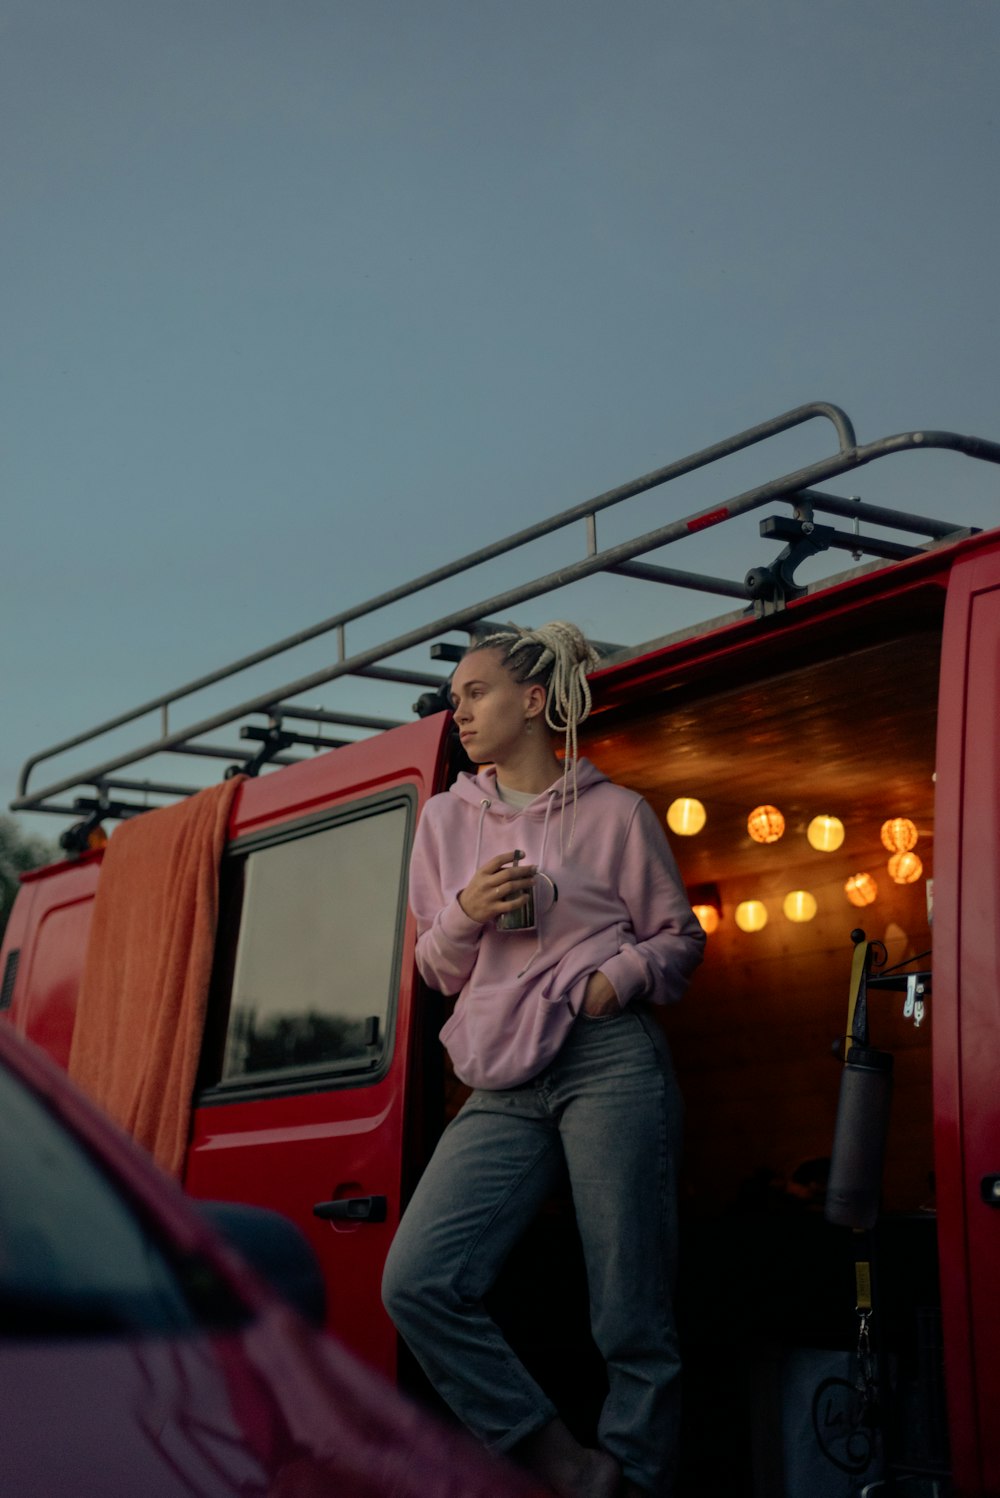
<point>316,955</point>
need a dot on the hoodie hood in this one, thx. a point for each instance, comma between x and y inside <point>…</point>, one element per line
<point>476,788</point>
<point>481,790</point>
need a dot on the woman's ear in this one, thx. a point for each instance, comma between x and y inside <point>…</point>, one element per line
<point>534,699</point>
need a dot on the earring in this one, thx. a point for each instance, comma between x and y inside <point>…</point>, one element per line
<point>527,725</point>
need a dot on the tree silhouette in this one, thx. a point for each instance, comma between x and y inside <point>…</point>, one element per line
<point>18,853</point>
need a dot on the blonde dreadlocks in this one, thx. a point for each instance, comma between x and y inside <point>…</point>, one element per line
<point>558,657</point>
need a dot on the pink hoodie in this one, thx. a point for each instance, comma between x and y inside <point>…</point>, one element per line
<point>621,908</point>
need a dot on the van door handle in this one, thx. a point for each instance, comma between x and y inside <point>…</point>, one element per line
<point>989,1188</point>
<point>353,1209</point>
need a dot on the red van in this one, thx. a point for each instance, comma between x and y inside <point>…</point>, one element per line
<point>848,707</point>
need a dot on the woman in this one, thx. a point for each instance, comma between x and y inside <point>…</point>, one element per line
<point>548,900</point>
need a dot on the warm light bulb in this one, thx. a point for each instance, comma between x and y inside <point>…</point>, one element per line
<point>765,824</point>
<point>685,816</point>
<point>905,867</point>
<point>708,918</point>
<point>751,915</point>
<point>799,905</point>
<point>861,889</point>
<point>899,834</point>
<point>825,834</point>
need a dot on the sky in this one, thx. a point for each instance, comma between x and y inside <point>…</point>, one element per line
<point>303,298</point>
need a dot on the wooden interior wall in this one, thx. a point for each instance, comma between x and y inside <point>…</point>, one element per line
<point>754,1038</point>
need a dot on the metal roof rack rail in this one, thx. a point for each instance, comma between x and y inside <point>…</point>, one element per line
<point>763,589</point>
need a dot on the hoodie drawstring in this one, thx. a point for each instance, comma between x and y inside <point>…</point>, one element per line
<point>484,807</point>
<point>541,857</point>
<point>545,825</point>
<point>556,792</point>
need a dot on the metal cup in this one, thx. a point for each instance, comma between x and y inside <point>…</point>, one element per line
<point>523,918</point>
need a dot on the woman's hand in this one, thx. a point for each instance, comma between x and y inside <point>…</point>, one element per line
<point>500,885</point>
<point>599,998</point>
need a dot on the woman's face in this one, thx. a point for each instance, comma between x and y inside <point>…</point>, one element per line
<point>490,707</point>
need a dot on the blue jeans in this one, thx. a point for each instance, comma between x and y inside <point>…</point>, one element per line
<point>608,1105</point>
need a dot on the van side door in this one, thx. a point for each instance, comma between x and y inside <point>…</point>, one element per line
<point>313,1035</point>
<point>43,952</point>
<point>966,1013</point>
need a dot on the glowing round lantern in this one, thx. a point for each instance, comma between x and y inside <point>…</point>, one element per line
<point>685,816</point>
<point>799,905</point>
<point>751,915</point>
<point>825,834</point>
<point>899,835</point>
<point>905,867</point>
<point>708,918</point>
<point>765,824</point>
<point>861,889</point>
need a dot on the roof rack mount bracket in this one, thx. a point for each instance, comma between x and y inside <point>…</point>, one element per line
<point>272,741</point>
<point>773,586</point>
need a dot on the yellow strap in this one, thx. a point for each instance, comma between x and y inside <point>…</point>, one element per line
<point>863,1285</point>
<point>857,972</point>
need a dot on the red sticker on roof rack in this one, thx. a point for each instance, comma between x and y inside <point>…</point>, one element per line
<point>712,517</point>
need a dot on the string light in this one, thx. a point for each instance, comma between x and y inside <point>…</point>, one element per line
<point>861,889</point>
<point>799,905</point>
<point>899,835</point>
<point>751,915</point>
<point>686,816</point>
<point>825,834</point>
<point>905,867</point>
<point>708,918</point>
<point>765,824</point>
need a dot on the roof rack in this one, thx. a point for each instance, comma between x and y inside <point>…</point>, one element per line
<point>764,590</point>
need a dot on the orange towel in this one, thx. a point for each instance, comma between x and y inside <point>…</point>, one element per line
<point>146,975</point>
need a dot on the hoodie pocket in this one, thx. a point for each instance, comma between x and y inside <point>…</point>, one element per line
<point>485,1017</point>
<point>566,980</point>
<point>499,1036</point>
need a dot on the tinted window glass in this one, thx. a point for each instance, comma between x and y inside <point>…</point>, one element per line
<point>316,955</point>
<point>74,1259</point>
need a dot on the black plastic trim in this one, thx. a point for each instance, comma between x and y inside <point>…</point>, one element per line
<point>9,978</point>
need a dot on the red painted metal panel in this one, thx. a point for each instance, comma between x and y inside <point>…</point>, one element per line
<point>967,1012</point>
<point>49,923</point>
<point>290,1152</point>
<point>407,755</point>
